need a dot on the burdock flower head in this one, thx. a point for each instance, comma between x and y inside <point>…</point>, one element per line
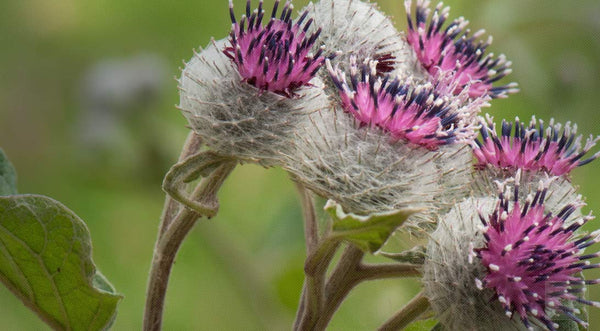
<point>537,151</point>
<point>534,259</point>
<point>386,144</point>
<point>245,95</point>
<point>454,49</point>
<point>354,28</point>
<point>505,264</point>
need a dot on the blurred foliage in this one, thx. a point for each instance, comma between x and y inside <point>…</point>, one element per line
<point>243,269</point>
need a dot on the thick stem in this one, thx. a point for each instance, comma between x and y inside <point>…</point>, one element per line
<point>319,259</point>
<point>413,309</point>
<point>350,272</point>
<point>169,242</point>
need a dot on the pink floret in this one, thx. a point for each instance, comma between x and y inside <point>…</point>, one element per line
<point>451,49</point>
<point>534,148</point>
<point>276,57</point>
<point>414,114</point>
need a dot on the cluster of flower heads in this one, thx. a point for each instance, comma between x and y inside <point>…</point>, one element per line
<point>532,247</point>
<point>401,139</point>
<point>283,56</point>
<point>528,252</point>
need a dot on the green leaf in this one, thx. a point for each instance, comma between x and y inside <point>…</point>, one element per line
<point>8,176</point>
<point>46,261</point>
<point>368,232</point>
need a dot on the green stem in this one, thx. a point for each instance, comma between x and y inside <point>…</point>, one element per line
<point>350,272</point>
<point>320,258</point>
<point>413,309</point>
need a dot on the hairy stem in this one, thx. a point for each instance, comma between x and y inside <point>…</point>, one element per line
<point>311,229</point>
<point>171,239</point>
<point>409,313</point>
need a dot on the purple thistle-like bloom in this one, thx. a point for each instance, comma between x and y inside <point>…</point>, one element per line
<point>452,49</point>
<point>276,57</point>
<point>534,147</point>
<point>534,259</point>
<point>418,114</point>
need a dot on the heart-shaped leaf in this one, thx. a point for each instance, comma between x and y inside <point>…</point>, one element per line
<point>368,232</point>
<point>46,261</point>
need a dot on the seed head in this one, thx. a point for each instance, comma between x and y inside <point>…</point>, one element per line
<point>454,49</point>
<point>450,272</point>
<point>510,260</point>
<point>237,119</point>
<point>366,170</point>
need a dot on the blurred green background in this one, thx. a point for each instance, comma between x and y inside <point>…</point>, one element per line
<point>102,150</point>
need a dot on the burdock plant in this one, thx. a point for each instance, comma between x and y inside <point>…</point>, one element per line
<point>383,126</point>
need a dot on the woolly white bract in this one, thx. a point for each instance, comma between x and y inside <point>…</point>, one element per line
<point>561,191</point>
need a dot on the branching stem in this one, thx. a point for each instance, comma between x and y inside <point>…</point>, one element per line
<point>175,225</point>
